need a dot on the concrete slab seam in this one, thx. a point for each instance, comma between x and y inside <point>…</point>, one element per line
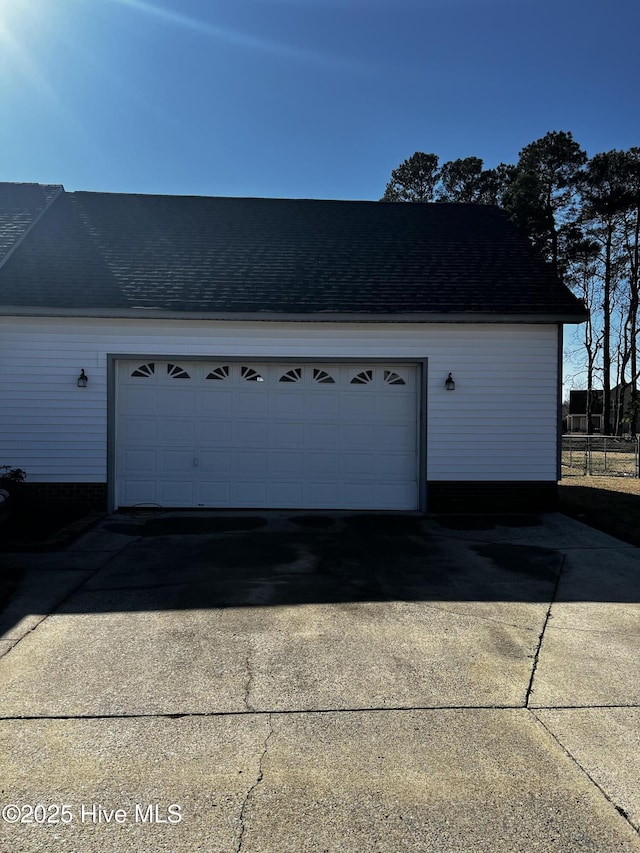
<point>542,632</point>
<point>580,707</point>
<point>575,761</point>
<point>90,574</point>
<point>251,790</point>
<point>266,713</point>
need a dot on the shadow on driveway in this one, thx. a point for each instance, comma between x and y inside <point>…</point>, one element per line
<point>191,562</point>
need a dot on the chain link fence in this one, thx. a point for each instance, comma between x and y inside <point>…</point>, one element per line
<point>600,456</point>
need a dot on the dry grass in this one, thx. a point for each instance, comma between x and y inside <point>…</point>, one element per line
<point>611,504</point>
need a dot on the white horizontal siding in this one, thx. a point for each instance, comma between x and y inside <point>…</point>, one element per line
<point>499,424</point>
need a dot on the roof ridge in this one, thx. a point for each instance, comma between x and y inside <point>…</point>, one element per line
<point>354,201</point>
<point>34,221</point>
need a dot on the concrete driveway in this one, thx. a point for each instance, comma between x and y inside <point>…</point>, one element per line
<point>281,682</point>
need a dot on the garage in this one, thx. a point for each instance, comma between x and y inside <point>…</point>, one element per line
<point>244,433</point>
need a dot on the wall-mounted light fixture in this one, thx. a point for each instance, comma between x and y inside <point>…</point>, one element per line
<point>449,384</point>
<point>82,379</point>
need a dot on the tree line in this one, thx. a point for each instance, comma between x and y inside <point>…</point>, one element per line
<point>583,215</point>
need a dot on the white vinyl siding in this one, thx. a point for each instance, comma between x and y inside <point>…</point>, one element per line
<point>499,424</point>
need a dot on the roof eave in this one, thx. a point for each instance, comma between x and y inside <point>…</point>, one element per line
<point>293,317</point>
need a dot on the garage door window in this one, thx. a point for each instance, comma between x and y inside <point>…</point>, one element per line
<point>144,371</point>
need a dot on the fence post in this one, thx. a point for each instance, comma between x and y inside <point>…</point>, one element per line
<point>587,455</point>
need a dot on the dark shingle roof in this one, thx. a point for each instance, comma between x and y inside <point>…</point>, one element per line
<point>243,255</point>
<point>20,205</point>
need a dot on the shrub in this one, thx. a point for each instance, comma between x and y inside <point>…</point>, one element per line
<point>12,475</point>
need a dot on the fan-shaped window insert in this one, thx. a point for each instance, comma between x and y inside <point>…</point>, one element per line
<point>176,372</point>
<point>363,378</point>
<point>293,375</point>
<point>323,377</point>
<point>251,375</point>
<point>145,370</point>
<point>393,378</point>
<point>221,372</point>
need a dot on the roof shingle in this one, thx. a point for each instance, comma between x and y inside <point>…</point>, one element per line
<point>249,255</point>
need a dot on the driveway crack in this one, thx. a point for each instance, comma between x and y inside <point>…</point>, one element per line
<point>542,632</point>
<point>248,685</point>
<point>621,811</point>
<point>251,790</point>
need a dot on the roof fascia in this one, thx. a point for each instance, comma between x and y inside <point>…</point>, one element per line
<point>275,317</point>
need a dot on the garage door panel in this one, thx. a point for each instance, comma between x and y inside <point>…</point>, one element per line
<point>319,436</point>
<point>392,435</point>
<point>249,493</point>
<point>356,495</point>
<point>210,433</point>
<point>321,404</point>
<point>357,463</point>
<point>185,440</point>
<point>136,491</point>
<point>214,493</point>
<point>178,400</point>
<point>284,465</point>
<point>322,495</point>
<point>393,465</point>
<point>357,405</point>
<point>323,465</point>
<point>251,434</point>
<point>176,461</point>
<point>286,434</point>
<point>137,400</point>
<point>251,463</point>
<point>214,462</point>
<point>396,406</point>
<point>287,403</point>
<point>177,493</point>
<point>176,431</point>
<point>287,494</point>
<point>138,430</point>
<point>139,461</point>
<point>215,401</point>
<point>357,435</point>
<point>398,496</point>
<point>254,402</point>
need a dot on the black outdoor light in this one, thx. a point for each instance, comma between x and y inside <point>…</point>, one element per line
<point>82,379</point>
<point>449,384</point>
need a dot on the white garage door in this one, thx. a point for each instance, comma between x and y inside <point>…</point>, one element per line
<point>246,434</point>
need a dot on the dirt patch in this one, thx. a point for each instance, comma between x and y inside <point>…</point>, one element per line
<point>622,485</point>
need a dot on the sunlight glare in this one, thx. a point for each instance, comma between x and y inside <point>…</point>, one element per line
<point>228,35</point>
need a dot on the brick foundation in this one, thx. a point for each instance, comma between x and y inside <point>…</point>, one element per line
<point>94,495</point>
<point>449,496</point>
<point>489,496</point>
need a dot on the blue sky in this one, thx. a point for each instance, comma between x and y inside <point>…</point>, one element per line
<point>302,98</point>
